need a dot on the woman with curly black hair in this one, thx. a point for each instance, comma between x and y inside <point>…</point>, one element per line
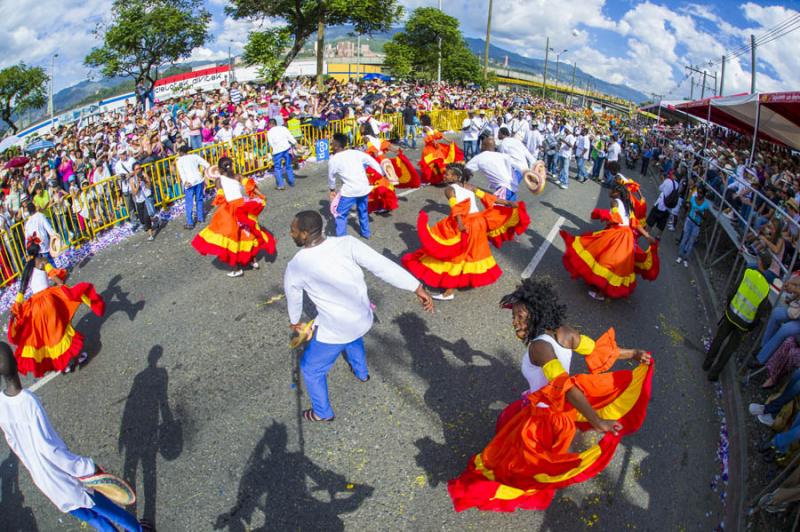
<point>529,457</point>
<point>609,260</point>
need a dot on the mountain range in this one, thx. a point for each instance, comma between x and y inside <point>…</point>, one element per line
<point>87,90</point>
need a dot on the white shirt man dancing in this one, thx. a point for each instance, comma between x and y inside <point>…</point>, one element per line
<point>329,271</point>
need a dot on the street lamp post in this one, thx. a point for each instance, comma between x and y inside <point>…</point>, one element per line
<point>558,58</point>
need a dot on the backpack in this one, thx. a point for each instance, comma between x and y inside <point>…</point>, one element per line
<point>671,200</point>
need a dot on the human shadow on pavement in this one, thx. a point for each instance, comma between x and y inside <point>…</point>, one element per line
<point>461,395</point>
<point>116,300</point>
<point>275,483</point>
<point>14,515</point>
<point>581,224</point>
<point>147,429</point>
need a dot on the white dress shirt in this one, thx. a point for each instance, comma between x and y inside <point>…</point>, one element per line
<point>53,468</point>
<point>349,166</point>
<point>39,225</point>
<point>471,128</point>
<point>518,152</point>
<point>280,139</point>
<point>534,142</point>
<point>565,146</point>
<point>188,167</point>
<point>498,169</point>
<point>519,128</point>
<point>613,152</point>
<point>330,273</point>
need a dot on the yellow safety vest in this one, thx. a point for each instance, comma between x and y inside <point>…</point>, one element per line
<point>293,126</point>
<point>753,289</point>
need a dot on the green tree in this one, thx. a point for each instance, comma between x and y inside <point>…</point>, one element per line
<point>21,88</point>
<point>303,18</point>
<point>416,48</point>
<point>145,35</point>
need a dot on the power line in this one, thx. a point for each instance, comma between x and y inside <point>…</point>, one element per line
<point>785,27</point>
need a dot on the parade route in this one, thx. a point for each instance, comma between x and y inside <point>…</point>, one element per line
<point>193,396</point>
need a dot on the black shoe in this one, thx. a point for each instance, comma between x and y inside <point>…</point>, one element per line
<point>712,378</point>
<point>188,227</point>
<point>765,445</point>
<point>707,364</point>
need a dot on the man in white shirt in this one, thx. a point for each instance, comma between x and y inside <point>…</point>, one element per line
<point>582,149</point>
<point>38,226</point>
<point>470,129</point>
<point>348,165</point>
<point>499,169</point>
<point>515,149</point>
<point>659,214</point>
<point>614,150</point>
<point>189,167</point>
<point>534,141</point>
<point>225,133</point>
<point>519,126</point>
<point>123,170</point>
<point>329,271</point>
<point>53,468</point>
<point>281,141</point>
<point>565,146</point>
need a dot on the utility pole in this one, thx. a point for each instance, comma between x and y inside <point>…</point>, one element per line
<point>691,89</point>
<point>703,90</point>
<point>544,77</point>
<point>50,107</point>
<point>572,85</point>
<point>752,64</point>
<point>320,46</point>
<point>488,37</point>
<point>439,66</point>
<point>722,77</point>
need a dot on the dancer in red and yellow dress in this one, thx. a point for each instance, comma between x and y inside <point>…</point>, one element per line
<point>398,169</point>
<point>608,260</point>
<point>233,234</point>
<point>638,202</point>
<point>41,326</point>
<point>382,198</point>
<point>455,252</point>
<point>436,154</point>
<point>529,457</point>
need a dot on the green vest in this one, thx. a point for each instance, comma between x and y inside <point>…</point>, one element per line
<point>753,289</point>
<point>293,126</point>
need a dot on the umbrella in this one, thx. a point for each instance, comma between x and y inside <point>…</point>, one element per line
<point>40,144</point>
<point>17,162</point>
<point>8,142</point>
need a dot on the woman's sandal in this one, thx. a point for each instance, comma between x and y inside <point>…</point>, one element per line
<point>309,415</point>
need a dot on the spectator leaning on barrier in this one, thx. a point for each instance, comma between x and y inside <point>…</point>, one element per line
<point>783,323</point>
<point>745,306</point>
<point>190,168</point>
<point>281,141</point>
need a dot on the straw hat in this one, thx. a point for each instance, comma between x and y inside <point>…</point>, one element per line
<point>536,177</point>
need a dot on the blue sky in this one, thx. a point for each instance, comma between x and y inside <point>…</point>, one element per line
<point>642,44</point>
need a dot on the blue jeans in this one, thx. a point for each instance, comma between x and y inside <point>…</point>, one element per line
<point>783,440</point>
<point>598,164</point>
<point>151,207</point>
<point>317,361</point>
<point>195,142</point>
<point>105,514</point>
<point>411,132</point>
<point>563,175</point>
<point>550,163</point>
<point>690,232</point>
<point>345,204</point>
<point>470,149</point>
<point>278,159</point>
<point>194,197</point>
<point>779,328</point>
<point>581,163</point>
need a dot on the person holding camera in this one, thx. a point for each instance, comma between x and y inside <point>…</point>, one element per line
<point>139,184</point>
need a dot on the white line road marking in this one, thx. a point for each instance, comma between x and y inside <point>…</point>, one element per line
<point>543,248</point>
<point>44,380</point>
<point>407,192</point>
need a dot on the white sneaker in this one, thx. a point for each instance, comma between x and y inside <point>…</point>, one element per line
<point>562,186</point>
<point>597,296</point>
<point>766,419</point>
<point>678,260</point>
<point>255,265</point>
<point>685,263</point>
<point>756,409</point>
<point>83,357</point>
<point>442,297</point>
<point>237,273</point>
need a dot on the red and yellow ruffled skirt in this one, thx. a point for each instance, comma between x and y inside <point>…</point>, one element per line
<point>435,158</point>
<point>529,458</point>
<point>452,259</point>
<point>41,327</point>
<point>233,234</point>
<point>382,197</point>
<point>407,175</point>
<point>608,261</point>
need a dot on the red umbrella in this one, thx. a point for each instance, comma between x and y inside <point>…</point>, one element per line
<point>17,162</point>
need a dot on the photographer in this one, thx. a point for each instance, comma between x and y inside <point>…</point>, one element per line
<point>139,184</point>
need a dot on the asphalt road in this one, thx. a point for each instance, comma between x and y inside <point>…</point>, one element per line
<point>191,390</point>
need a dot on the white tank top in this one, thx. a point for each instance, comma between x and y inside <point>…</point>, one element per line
<point>231,188</point>
<point>39,280</point>
<point>533,373</point>
<point>623,212</point>
<point>462,194</point>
